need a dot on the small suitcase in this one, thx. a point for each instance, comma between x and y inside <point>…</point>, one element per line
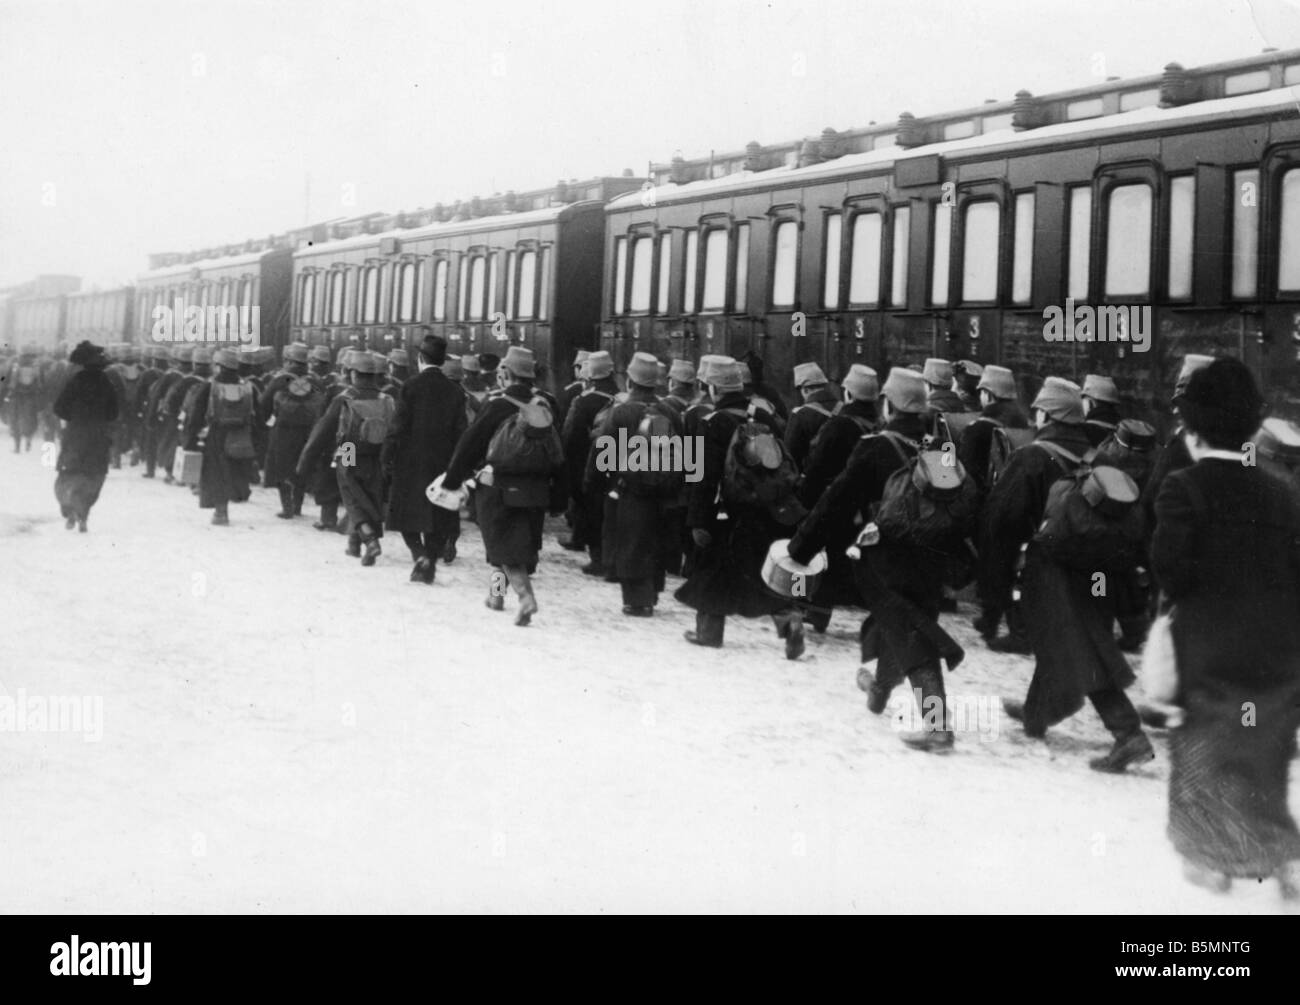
<point>191,466</point>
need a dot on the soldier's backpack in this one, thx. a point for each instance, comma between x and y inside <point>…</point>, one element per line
<point>527,443</point>
<point>759,472</point>
<point>1003,442</point>
<point>1092,521</point>
<point>930,502</point>
<point>231,404</point>
<point>654,435</point>
<point>364,422</point>
<point>296,404</point>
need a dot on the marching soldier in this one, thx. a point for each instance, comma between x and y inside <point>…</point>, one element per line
<point>1000,409</point>
<point>587,501</point>
<point>194,372</point>
<point>355,425</point>
<point>732,541</point>
<point>569,394</point>
<point>228,410</point>
<point>512,506</point>
<point>938,374</point>
<point>159,363</point>
<point>901,584</point>
<point>24,393</point>
<point>398,372</point>
<point>818,406</point>
<point>834,442</point>
<point>639,507</point>
<point>155,407</point>
<point>967,375</point>
<point>1100,406</point>
<point>1015,504</point>
<point>290,405</point>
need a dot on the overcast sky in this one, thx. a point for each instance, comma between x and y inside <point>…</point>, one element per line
<point>134,126</point>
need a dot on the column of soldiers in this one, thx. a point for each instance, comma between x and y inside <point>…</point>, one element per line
<point>367,434</point>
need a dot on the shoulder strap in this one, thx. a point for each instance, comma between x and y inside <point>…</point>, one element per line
<point>1063,457</point>
<point>896,440</point>
<point>816,406</point>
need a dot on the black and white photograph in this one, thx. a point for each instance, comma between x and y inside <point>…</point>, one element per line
<point>712,457</point>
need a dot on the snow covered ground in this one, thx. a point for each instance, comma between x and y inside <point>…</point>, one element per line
<point>284,730</point>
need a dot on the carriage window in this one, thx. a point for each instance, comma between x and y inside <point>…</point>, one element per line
<point>1288,256</point>
<point>1087,109</point>
<point>665,270</point>
<point>440,290</point>
<point>420,274</point>
<point>1245,232</point>
<point>979,263</point>
<point>1245,83</point>
<point>512,267</point>
<point>1139,99</point>
<point>902,242</point>
<point>477,290</point>
<point>642,266</point>
<point>1182,217</point>
<point>942,243</point>
<point>527,284</point>
<point>831,262</point>
<point>494,265</point>
<point>462,286</point>
<point>306,298</point>
<point>864,259</point>
<point>1080,240</point>
<point>205,293</point>
<point>959,130</point>
<point>544,293</point>
<point>225,293</point>
<point>370,295</point>
<point>715,270</point>
<point>742,268</point>
<point>406,292</point>
<point>785,265</point>
<point>1022,269</point>
<point>336,281</point>
<point>620,275</point>
<point>246,292</point>
<point>1128,241</point>
<point>692,254</point>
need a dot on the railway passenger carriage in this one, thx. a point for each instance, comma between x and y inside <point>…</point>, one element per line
<point>254,274</point>
<point>952,235</point>
<point>105,317</point>
<point>514,270</point>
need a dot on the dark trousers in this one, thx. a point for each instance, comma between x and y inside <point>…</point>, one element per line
<point>1116,711</point>
<point>639,592</point>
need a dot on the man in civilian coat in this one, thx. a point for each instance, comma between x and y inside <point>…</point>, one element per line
<point>430,419</point>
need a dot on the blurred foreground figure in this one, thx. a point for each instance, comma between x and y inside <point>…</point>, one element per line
<point>88,404</point>
<point>1226,552</point>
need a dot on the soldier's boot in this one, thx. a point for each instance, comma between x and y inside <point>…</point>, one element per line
<point>424,571</point>
<point>353,549</point>
<point>329,517</point>
<point>709,630</point>
<point>81,525</point>
<point>299,494</point>
<point>936,737</point>
<point>523,586</point>
<point>220,517</point>
<point>789,626</point>
<point>1134,748</point>
<point>286,501</point>
<point>371,540</point>
<point>877,694</point>
<point>1016,710</point>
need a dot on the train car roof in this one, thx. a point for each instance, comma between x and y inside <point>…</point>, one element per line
<point>1137,121</point>
<point>473,226</point>
<point>229,261</point>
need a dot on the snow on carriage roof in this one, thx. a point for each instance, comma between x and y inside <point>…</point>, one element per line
<point>484,223</point>
<point>1121,122</point>
<point>185,268</point>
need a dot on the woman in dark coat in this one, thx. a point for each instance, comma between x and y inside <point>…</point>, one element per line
<point>511,510</point>
<point>88,405</point>
<point>1227,554</point>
